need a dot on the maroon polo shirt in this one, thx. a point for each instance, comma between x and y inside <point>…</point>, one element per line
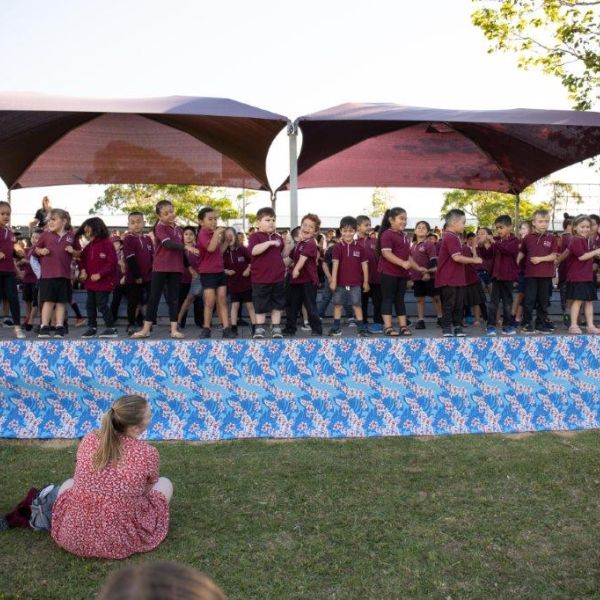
<point>167,260</point>
<point>487,263</point>
<point>504,261</point>
<point>99,256</point>
<point>210,262</point>
<point>580,270</point>
<point>268,267</point>
<point>370,246</point>
<point>238,260</point>
<point>58,262</point>
<point>399,244</point>
<point>351,258</point>
<point>563,267</point>
<point>142,249</point>
<point>449,272</point>
<point>194,263</point>
<point>7,243</point>
<point>28,273</point>
<point>308,273</point>
<point>423,253</point>
<point>471,273</point>
<point>535,244</point>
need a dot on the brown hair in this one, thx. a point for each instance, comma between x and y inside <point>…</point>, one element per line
<point>63,215</point>
<point>580,219</point>
<point>126,412</point>
<point>314,218</point>
<point>267,211</point>
<point>160,580</point>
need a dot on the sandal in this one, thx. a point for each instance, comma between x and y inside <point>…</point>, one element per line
<point>405,331</point>
<point>177,335</point>
<point>592,329</point>
<point>139,335</point>
<point>391,332</point>
<point>575,329</point>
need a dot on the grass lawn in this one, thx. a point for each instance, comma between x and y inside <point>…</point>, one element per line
<point>453,517</point>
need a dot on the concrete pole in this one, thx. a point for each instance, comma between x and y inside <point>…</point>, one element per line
<point>292,131</point>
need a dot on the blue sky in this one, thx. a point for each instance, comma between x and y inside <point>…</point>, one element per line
<point>289,57</point>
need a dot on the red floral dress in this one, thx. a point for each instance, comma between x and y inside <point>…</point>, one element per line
<point>110,513</point>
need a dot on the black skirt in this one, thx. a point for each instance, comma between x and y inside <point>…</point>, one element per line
<point>581,290</point>
<point>474,294</point>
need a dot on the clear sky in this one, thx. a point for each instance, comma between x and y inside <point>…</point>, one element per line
<point>292,58</point>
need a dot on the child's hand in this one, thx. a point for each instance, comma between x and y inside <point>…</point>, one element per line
<point>477,260</point>
<point>69,249</point>
<point>95,277</point>
<point>535,260</point>
<point>332,285</point>
<point>83,275</point>
<point>42,251</point>
<point>295,274</point>
<point>2,256</point>
<point>193,250</point>
<point>246,273</point>
<point>275,243</point>
<point>366,287</point>
<point>229,272</point>
<point>122,281</point>
<point>426,276</point>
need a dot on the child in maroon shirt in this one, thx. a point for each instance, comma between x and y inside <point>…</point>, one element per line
<point>563,261</point>
<point>539,252</point>
<point>450,275</point>
<point>302,288</point>
<point>8,275</point>
<point>191,287</point>
<point>474,298</point>
<point>99,272</point>
<point>268,272</point>
<point>581,288</point>
<point>236,261</point>
<point>166,269</point>
<point>364,239</point>
<point>212,272</point>
<point>55,252</point>
<point>138,252</point>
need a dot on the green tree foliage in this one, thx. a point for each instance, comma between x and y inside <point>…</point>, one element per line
<point>486,206</point>
<point>187,200</point>
<point>562,37</point>
<point>381,200</point>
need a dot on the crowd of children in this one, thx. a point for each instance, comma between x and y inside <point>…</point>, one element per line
<point>361,271</point>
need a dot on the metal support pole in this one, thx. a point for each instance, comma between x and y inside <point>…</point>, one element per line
<point>244,210</point>
<point>517,211</point>
<point>8,195</point>
<point>292,131</point>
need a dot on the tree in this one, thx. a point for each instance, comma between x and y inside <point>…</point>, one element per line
<point>187,200</point>
<point>562,37</point>
<point>380,202</point>
<point>486,206</point>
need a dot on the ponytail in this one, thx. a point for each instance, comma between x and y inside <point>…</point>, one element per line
<point>126,412</point>
<point>390,213</point>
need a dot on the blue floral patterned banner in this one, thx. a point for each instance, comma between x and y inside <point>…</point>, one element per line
<point>346,387</point>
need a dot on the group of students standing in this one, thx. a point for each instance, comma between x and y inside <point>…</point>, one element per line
<point>276,273</point>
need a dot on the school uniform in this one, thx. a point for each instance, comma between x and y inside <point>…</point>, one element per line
<point>8,274</point>
<point>138,251</point>
<point>211,269</point>
<point>563,268</point>
<point>424,255</point>
<point>504,272</point>
<point>30,289</point>
<point>267,273</point>
<point>393,277</point>
<point>240,287</point>
<point>580,276</point>
<point>450,279</point>
<point>55,278</point>
<point>370,247</point>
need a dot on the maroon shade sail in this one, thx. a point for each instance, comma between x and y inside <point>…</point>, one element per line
<point>395,146</point>
<point>49,140</point>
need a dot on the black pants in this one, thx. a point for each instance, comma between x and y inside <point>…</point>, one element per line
<point>537,296</point>
<point>375,294</point>
<point>135,292</point>
<point>164,281</point>
<point>452,306</point>
<point>8,290</point>
<point>501,292</point>
<point>98,302</point>
<point>393,290</point>
<point>297,295</point>
<point>118,294</point>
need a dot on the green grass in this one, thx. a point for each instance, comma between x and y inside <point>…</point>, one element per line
<point>454,517</point>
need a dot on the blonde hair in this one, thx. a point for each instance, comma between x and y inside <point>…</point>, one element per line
<point>126,412</point>
<point>160,580</point>
<point>63,215</point>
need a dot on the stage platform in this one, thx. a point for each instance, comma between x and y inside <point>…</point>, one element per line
<point>305,387</point>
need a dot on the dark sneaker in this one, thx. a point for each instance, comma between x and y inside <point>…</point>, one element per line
<point>289,332</point>
<point>259,333</point>
<point>335,332</point>
<point>59,332</point>
<point>420,324</point>
<point>549,325</point>
<point>528,328</point>
<point>109,332</point>
<point>509,330</point>
<point>204,333</point>
<point>276,332</point>
<point>28,327</point>
<point>364,332</point>
<point>458,332</point>
<point>439,322</point>
<point>44,332</point>
<point>448,332</point>
<point>545,329</point>
<point>229,334</point>
<point>89,333</point>
<point>491,330</point>
<point>8,322</point>
<point>234,329</point>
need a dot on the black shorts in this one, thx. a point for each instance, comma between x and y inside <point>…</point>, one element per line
<point>243,297</point>
<point>268,296</point>
<point>30,293</point>
<point>212,281</point>
<point>55,289</point>
<point>425,288</point>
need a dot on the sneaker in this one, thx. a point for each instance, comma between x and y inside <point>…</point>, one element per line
<point>44,332</point>
<point>528,328</point>
<point>448,333</point>
<point>363,332</point>
<point>306,326</point>
<point>439,322</point>
<point>491,330</point>
<point>420,324</point>
<point>109,332</point>
<point>89,333</point>
<point>545,329</point>
<point>375,328</point>
<point>234,329</point>
<point>204,333</point>
<point>549,325</point>
<point>335,332</point>
<point>458,332</point>
<point>8,322</point>
<point>276,332</point>
<point>59,332</point>
<point>28,327</point>
<point>509,330</point>
<point>259,333</point>
<point>229,334</point>
<point>20,334</point>
<point>351,322</point>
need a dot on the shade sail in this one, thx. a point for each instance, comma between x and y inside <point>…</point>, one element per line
<point>390,145</point>
<point>50,140</point>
